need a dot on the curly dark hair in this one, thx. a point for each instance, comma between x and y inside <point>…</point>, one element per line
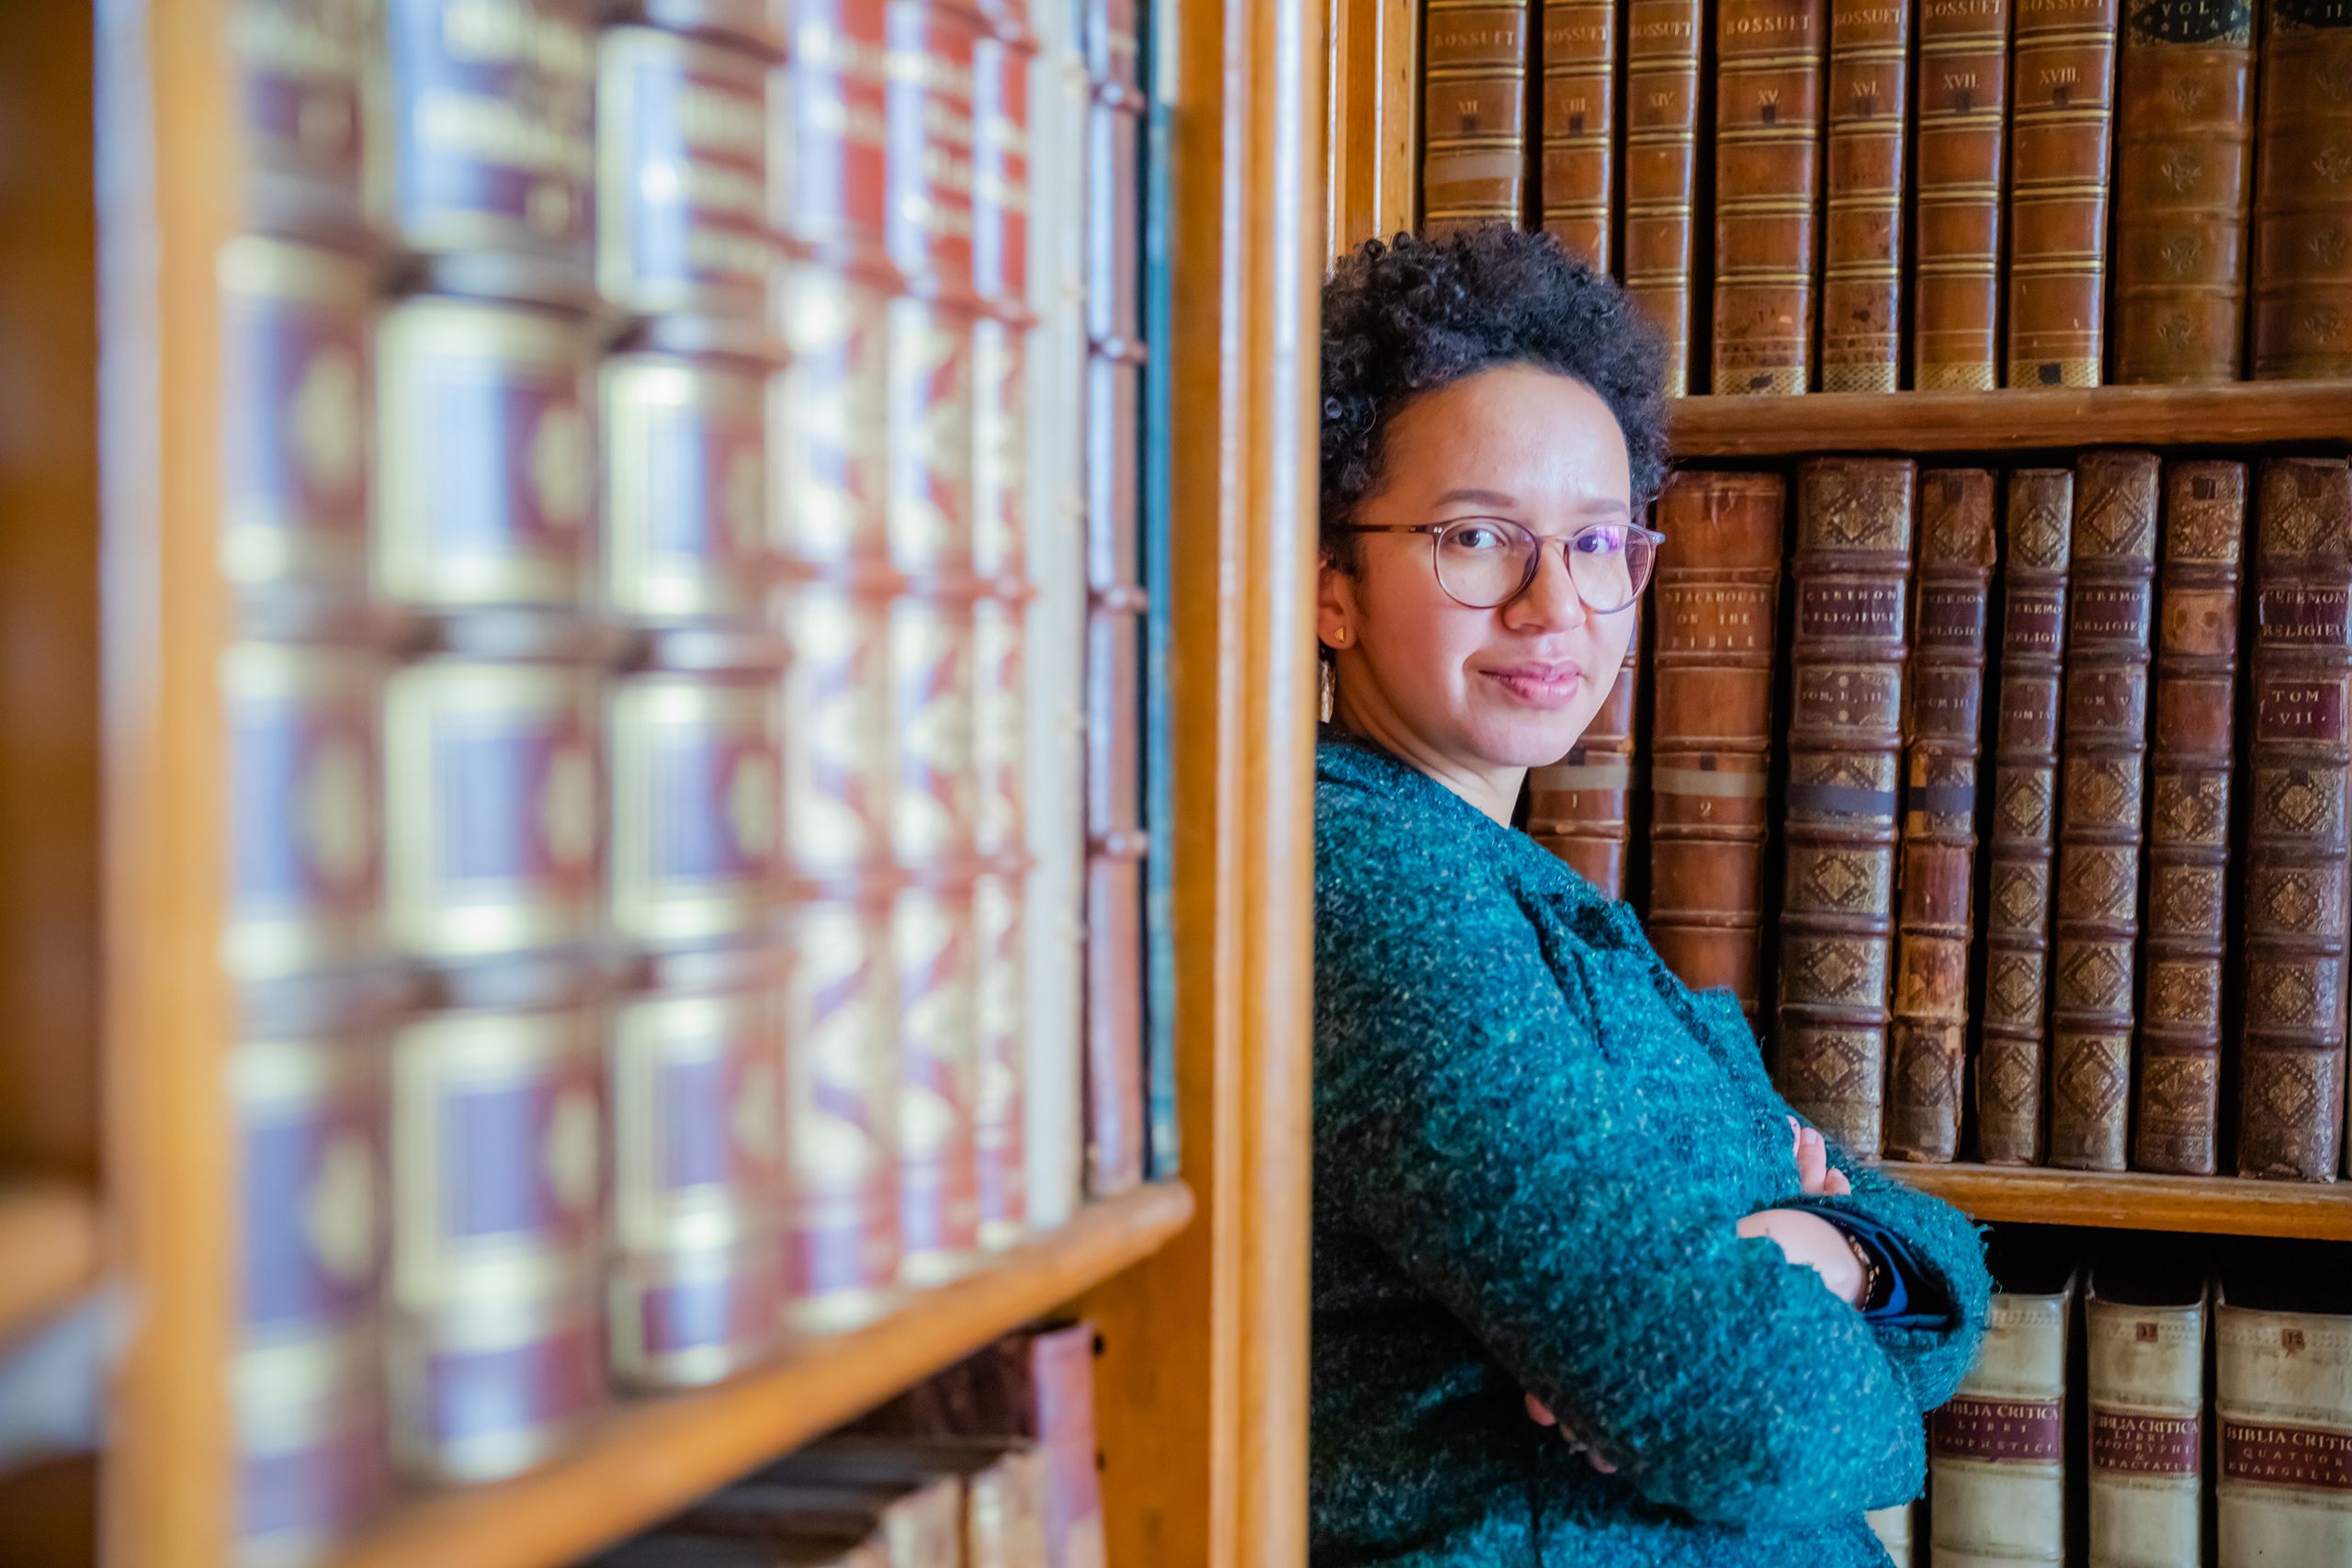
<point>1418,314</point>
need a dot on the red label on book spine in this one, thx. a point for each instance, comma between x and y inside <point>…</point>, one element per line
<point>2311,1457</point>
<point>2025,1430</point>
<point>2145,1445</point>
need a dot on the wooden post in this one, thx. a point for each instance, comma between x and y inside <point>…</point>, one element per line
<point>1202,1388</point>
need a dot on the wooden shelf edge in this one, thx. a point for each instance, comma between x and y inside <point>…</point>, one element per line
<point>49,1251</point>
<point>650,1458</point>
<point>2242,413</point>
<point>2207,1206</point>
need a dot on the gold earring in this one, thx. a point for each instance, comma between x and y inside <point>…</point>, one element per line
<point>1340,638</point>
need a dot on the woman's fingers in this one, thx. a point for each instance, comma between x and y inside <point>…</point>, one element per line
<point>1835,1183</point>
<point>1539,1414</point>
<point>1812,1161</point>
<point>1598,1463</point>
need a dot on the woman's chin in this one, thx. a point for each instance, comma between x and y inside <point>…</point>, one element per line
<point>1527,739</point>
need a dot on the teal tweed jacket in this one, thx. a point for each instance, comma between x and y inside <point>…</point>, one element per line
<point>1532,1144</point>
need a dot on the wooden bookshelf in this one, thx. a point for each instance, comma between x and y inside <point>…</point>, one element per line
<point>648,1460</point>
<point>2135,1200</point>
<point>2243,413</point>
<point>48,1236</point>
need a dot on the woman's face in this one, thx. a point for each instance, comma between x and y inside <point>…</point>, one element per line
<point>1470,694</point>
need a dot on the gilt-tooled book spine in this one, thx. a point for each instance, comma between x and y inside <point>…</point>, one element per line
<point>1927,1050</point>
<point>1117,842</point>
<point>2025,790</point>
<point>1851,578</point>
<point>1578,806</point>
<point>2191,762</point>
<point>1474,115</point>
<point>1661,115</point>
<point>1997,1470</point>
<point>2301,319</point>
<point>1862,258</point>
<point>1768,187</point>
<point>1961,153</point>
<point>1577,168</point>
<point>2102,817</point>
<point>2062,76</point>
<point>2146,1389</point>
<point>2282,1399</point>
<point>1710,734</point>
<point>2291,1063</point>
<point>2184,172</point>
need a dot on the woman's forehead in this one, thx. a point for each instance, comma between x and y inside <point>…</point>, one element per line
<point>1514,432</point>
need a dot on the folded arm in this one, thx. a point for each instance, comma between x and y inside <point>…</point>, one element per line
<point>1481,1144</point>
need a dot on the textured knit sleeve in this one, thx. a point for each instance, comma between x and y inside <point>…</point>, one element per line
<point>1942,1240</point>
<point>1471,1117</point>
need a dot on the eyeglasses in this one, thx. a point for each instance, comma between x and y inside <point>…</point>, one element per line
<point>1482,562</point>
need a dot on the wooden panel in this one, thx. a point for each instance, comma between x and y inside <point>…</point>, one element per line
<point>2213,1205</point>
<point>2239,414</point>
<point>1202,1390</point>
<point>645,1460</point>
<point>164,203</point>
<point>48,594</point>
<point>1372,127</point>
<point>48,1236</point>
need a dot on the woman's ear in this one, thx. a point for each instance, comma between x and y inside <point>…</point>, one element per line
<point>1337,622</point>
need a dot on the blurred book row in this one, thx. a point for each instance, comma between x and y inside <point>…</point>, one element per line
<point>685,528</point>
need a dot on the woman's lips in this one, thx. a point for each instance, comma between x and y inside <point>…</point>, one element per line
<point>1540,686</point>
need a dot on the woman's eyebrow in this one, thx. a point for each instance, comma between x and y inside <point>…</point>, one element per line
<point>1476,497</point>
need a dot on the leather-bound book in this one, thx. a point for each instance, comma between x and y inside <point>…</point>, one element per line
<point>2025,792</point>
<point>2184,171</point>
<point>1717,594</point>
<point>2282,1398</point>
<point>1661,115</point>
<point>1851,578</point>
<point>1927,1050</point>
<point>2101,819</point>
<point>2146,1389</point>
<point>1894,1529</point>
<point>2190,762</point>
<point>2062,72</point>
<point>1578,168</point>
<point>1768,174</point>
<point>1473,117</point>
<point>1578,807</point>
<point>1997,1488</point>
<point>1861,243</point>
<point>2301,319</point>
<point>1961,163</point>
<point>2291,1051</point>
<point>1116,840</point>
<point>301,104</point>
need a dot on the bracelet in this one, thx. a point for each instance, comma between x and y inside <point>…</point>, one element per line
<point>1872,1274</point>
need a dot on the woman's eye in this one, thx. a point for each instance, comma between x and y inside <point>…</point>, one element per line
<point>1477,539</point>
<point>1601,541</point>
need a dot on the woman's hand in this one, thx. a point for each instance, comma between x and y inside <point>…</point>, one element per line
<point>1814,1176</point>
<point>1809,1239</point>
<point>1539,1413</point>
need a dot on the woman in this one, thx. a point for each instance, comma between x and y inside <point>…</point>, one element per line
<point>1586,1291</point>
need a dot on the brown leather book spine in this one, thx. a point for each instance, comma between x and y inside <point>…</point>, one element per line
<point>1578,164</point>
<point>2102,819</point>
<point>2062,72</point>
<point>1577,808</point>
<point>2184,170</point>
<point>2301,322</point>
<point>2188,819</point>
<point>2025,791</point>
<point>2291,1062</point>
<point>1961,156</point>
<point>1717,592</point>
<point>1474,118</point>
<point>1861,259</point>
<point>1767,184</point>
<point>1661,115</point>
<point>1851,577</point>
<point>1927,1052</point>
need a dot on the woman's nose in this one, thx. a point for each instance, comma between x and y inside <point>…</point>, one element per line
<point>1550,601</point>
